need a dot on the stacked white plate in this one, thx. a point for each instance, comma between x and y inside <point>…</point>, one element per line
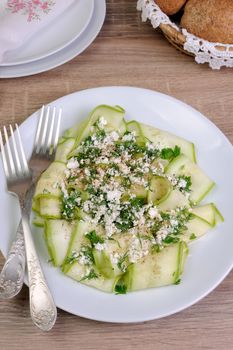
<point>65,39</point>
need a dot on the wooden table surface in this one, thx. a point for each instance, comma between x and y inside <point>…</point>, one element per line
<point>126,52</point>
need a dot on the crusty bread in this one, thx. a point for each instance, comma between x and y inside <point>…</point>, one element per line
<point>211,20</point>
<point>170,7</point>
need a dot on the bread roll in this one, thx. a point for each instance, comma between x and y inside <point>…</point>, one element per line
<point>170,7</point>
<point>211,20</point>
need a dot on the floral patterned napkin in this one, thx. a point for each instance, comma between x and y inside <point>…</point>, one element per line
<point>21,19</point>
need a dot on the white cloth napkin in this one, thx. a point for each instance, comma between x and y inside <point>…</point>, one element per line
<point>21,19</point>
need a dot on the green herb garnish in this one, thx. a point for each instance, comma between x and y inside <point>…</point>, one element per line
<point>156,227</point>
<point>127,213</point>
<point>156,248</point>
<point>192,236</point>
<point>94,238</point>
<point>88,253</point>
<point>169,153</point>
<point>171,239</point>
<point>183,217</point>
<point>120,289</point>
<point>178,281</point>
<point>90,276</point>
<point>71,258</point>
<point>69,204</point>
<point>121,262</point>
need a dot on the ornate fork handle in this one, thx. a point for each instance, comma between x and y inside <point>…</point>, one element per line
<point>12,274</point>
<point>42,307</point>
<point>13,271</point>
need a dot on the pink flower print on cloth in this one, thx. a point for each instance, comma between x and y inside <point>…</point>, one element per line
<point>32,9</point>
<point>22,20</point>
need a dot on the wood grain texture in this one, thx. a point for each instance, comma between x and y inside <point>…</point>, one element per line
<point>126,52</point>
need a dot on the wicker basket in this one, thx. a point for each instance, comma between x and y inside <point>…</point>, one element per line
<point>176,38</point>
<point>216,54</point>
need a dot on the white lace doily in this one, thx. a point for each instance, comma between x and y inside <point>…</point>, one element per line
<point>203,50</point>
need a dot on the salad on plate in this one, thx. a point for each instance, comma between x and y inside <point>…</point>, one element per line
<point>121,203</point>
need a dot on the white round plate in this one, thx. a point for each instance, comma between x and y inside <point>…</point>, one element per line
<point>64,55</point>
<point>62,32</point>
<point>210,258</point>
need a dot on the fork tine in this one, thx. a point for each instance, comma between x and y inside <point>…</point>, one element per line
<point>9,153</point>
<point>18,165</point>
<point>39,129</point>
<point>4,160</point>
<point>24,160</point>
<point>57,129</point>
<point>43,138</point>
<point>49,141</point>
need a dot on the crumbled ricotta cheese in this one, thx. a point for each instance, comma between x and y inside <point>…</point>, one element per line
<point>160,145</point>
<point>129,137</point>
<point>153,213</point>
<point>64,190</point>
<point>173,180</point>
<point>83,259</point>
<point>103,160</point>
<point>174,222</point>
<point>87,205</point>
<point>100,246</point>
<point>116,160</point>
<point>182,183</point>
<point>124,169</point>
<point>112,172</point>
<point>138,249</point>
<point>87,172</point>
<point>72,164</point>
<point>150,146</point>
<point>161,234</point>
<point>102,122</point>
<point>114,195</point>
<point>115,136</point>
<point>78,200</point>
<point>125,157</point>
<point>67,173</point>
<point>114,258</point>
<point>161,167</point>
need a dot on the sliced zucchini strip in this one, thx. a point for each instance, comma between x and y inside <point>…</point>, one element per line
<point>201,183</point>
<point>156,269</point>
<point>57,235</point>
<point>165,139</point>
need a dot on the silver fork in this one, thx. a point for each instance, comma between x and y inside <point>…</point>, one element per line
<point>12,275</point>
